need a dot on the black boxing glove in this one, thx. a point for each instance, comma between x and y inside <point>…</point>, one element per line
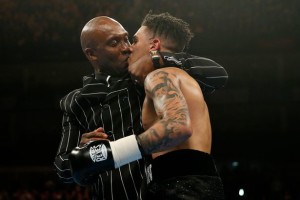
<point>102,155</point>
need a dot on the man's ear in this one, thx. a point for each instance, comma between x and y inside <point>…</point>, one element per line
<point>89,53</point>
<point>155,45</point>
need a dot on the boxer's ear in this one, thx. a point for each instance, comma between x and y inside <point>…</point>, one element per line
<point>155,44</point>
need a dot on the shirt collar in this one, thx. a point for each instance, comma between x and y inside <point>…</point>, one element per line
<point>101,86</point>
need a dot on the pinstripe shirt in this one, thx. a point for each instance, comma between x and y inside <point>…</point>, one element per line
<point>209,74</point>
<point>115,105</point>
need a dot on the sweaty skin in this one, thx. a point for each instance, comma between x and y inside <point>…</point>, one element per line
<point>174,113</point>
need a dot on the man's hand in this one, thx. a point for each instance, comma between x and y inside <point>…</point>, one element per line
<point>97,134</point>
<point>102,155</point>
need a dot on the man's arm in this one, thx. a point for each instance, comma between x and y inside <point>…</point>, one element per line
<point>72,137</point>
<point>162,88</point>
<point>209,74</point>
<point>69,139</point>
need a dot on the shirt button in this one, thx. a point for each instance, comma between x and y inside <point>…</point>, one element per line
<point>125,99</point>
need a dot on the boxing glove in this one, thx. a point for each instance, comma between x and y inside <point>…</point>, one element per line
<point>99,156</point>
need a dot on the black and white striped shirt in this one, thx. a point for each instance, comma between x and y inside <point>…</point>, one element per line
<point>209,74</point>
<point>115,105</point>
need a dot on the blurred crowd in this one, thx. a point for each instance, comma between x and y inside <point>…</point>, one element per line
<point>49,192</point>
<point>242,180</point>
<point>41,21</point>
<point>37,183</point>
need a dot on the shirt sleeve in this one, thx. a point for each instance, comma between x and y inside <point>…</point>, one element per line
<point>70,138</point>
<point>209,74</point>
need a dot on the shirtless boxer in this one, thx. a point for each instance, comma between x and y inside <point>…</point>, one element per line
<point>175,116</point>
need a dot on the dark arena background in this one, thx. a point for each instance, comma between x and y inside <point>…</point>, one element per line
<point>255,118</point>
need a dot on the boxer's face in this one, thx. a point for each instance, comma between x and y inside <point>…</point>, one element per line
<point>141,44</point>
<point>140,63</point>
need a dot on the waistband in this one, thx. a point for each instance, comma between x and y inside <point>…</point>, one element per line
<point>182,163</point>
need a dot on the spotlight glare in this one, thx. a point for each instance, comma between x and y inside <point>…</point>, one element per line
<point>241,192</point>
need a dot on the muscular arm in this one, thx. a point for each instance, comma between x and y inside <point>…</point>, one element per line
<point>162,87</point>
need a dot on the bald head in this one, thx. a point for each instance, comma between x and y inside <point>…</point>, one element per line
<point>105,44</point>
<point>96,25</point>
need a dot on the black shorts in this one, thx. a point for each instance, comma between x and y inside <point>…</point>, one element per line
<point>185,175</point>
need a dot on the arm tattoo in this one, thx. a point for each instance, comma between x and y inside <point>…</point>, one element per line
<point>171,108</point>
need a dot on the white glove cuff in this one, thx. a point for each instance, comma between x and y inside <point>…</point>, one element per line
<point>125,150</point>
